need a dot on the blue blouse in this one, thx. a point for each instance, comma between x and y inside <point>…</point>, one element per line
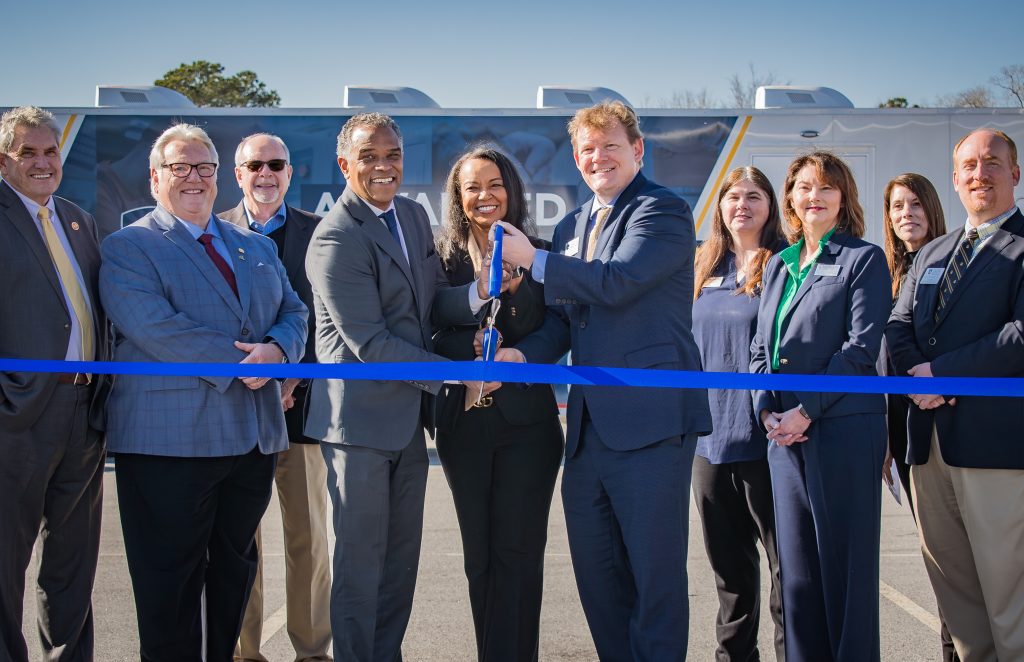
<point>723,326</point>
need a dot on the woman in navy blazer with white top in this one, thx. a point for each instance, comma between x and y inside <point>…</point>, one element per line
<point>731,484</point>
<point>825,303</point>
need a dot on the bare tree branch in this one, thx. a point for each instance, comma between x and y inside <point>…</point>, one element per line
<point>1011,79</point>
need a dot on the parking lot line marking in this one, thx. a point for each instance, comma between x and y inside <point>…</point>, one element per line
<point>273,625</point>
<point>906,604</point>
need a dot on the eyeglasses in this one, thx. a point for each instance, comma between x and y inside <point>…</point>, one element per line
<point>185,169</point>
<point>277,165</point>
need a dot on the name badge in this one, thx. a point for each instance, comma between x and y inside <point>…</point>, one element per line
<point>828,269</point>
<point>931,276</point>
<point>572,249</point>
<point>714,282</point>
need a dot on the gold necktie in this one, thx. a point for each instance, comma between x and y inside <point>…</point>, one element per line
<point>602,214</point>
<point>71,285</point>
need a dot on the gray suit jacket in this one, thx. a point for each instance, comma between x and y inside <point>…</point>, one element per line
<point>34,319</point>
<point>169,303</point>
<point>630,307</point>
<point>374,306</point>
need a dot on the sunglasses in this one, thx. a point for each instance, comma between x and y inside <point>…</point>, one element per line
<point>277,165</point>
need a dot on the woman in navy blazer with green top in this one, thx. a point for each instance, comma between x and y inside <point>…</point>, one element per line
<point>731,484</point>
<point>825,303</point>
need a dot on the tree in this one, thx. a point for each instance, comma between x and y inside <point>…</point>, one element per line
<point>1011,79</point>
<point>745,91</point>
<point>894,102</point>
<point>206,85</point>
<point>979,96</point>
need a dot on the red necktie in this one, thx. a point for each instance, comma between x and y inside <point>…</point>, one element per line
<point>206,239</point>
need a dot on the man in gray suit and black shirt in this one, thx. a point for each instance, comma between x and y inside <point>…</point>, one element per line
<point>263,172</point>
<point>51,445</point>
<point>377,282</point>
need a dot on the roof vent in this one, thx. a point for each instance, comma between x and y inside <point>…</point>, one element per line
<point>372,96</point>
<point>134,96</point>
<point>792,96</point>
<point>563,96</point>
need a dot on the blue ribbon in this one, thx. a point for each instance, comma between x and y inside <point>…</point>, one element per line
<point>543,374</point>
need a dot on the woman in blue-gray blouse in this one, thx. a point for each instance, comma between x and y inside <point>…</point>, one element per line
<point>825,302</point>
<point>731,483</point>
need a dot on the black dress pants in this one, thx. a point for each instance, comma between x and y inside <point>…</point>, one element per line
<point>502,479</point>
<point>734,500</point>
<point>188,526</point>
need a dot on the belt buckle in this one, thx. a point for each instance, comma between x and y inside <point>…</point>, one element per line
<point>483,402</point>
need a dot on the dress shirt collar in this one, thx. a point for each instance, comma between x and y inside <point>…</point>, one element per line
<point>32,206</point>
<point>988,228</point>
<point>274,222</point>
<point>377,211</point>
<point>598,205</point>
<point>211,228</point>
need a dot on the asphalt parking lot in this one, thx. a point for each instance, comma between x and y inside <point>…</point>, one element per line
<point>441,630</point>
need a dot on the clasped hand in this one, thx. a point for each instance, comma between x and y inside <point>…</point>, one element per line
<point>786,428</point>
<point>927,401</point>
<point>260,352</point>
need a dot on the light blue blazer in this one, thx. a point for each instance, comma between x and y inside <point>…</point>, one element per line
<point>169,303</point>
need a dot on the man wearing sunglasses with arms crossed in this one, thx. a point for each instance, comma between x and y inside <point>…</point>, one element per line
<point>263,172</point>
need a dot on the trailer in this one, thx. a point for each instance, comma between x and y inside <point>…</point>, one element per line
<point>105,149</point>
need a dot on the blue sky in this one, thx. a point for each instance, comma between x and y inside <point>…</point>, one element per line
<point>494,54</point>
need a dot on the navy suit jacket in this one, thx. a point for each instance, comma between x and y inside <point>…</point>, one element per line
<point>629,307</point>
<point>980,333</point>
<point>834,327</point>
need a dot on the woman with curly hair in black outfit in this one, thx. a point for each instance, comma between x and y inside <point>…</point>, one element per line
<point>500,453</point>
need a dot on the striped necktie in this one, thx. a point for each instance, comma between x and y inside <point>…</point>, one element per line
<point>955,271</point>
<point>595,232</point>
<point>72,287</point>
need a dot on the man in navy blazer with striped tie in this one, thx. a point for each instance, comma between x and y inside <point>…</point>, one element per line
<point>961,314</point>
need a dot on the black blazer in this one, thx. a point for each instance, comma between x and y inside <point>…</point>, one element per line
<point>834,327</point>
<point>980,333</point>
<point>299,226</point>
<point>34,319</point>
<point>520,314</point>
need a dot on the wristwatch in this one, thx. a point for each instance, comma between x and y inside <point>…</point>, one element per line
<point>803,412</point>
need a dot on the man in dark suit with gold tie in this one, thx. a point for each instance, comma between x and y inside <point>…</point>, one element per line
<point>51,443</point>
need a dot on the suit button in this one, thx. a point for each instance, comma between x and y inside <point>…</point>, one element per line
<point>245,332</point>
<point>583,325</point>
<point>931,341</point>
<point>67,326</point>
<point>783,361</point>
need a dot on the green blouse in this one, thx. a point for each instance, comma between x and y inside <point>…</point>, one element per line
<point>794,279</point>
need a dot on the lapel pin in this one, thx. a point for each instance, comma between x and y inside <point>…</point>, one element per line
<point>74,225</point>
